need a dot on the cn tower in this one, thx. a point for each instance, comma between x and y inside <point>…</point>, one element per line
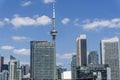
<point>53,31</point>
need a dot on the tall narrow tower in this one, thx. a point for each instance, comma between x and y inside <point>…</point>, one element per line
<point>43,56</point>
<point>53,31</point>
<point>81,50</point>
<point>110,55</point>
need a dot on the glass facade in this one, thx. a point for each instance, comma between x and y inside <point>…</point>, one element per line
<point>93,58</point>
<point>73,66</point>
<point>43,63</point>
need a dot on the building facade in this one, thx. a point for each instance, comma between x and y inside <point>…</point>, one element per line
<point>43,61</point>
<point>25,69</point>
<point>4,67</point>
<point>19,74</point>
<point>5,75</point>
<point>93,58</point>
<point>81,50</point>
<point>60,70</point>
<point>66,75</point>
<point>110,55</point>
<point>12,69</point>
<point>13,65</point>
<point>94,72</point>
<point>1,62</point>
<point>73,67</point>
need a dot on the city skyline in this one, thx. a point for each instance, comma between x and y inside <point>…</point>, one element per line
<point>25,22</point>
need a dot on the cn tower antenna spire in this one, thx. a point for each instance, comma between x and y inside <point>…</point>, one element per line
<point>53,31</point>
<point>53,10</point>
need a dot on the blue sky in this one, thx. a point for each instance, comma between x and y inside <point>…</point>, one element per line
<point>24,20</point>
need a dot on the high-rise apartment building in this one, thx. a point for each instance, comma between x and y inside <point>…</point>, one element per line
<point>81,50</point>
<point>43,63</point>
<point>110,55</point>
<point>93,57</point>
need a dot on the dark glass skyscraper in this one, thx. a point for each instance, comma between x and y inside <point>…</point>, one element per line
<point>43,63</point>
<point>93,58</point>
<point>81,50</point>
<point>1,62</point>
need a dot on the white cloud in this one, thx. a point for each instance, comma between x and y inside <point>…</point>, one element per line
<point>43,20</point>
<point>48,1</point>
<point>76,22</point>
<point>7,20</point>
<point>18,21</point>
<point>1,23</point>
<point>98,24</point>
<point>19,38</point>
<point>7,47</point>
<point>26,3</point>
<point>65,21</point>
<point>22,51</point>
<point>65,56</point>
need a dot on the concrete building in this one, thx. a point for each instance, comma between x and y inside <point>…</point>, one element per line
<point>81,50</point>
<point>73,67</point>
<point>19,74</point>
<point>25,69</point>
<point>66,75</point>
<point>110,55</point>
<point>1,75</point>
<point>13,65</point>
<point>93,58</point>
<point>60,70</point>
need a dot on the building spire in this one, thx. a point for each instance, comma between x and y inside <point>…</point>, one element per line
<point>53,10</point>
<point>53,31</point>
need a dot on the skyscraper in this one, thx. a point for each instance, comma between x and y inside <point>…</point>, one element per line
<point>93,57</point>
<point>81,50</point>
<point>1,62</point>
<point>13,65</point>
<point>43,57</point>
<point>42,60</point>
<point>73,67</point>
<point>110,55</point>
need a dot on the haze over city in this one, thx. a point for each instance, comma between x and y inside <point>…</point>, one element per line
<point>24,20</point>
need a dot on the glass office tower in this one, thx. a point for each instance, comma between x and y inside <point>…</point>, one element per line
<point>43,60</point>
<point>93,58</point>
